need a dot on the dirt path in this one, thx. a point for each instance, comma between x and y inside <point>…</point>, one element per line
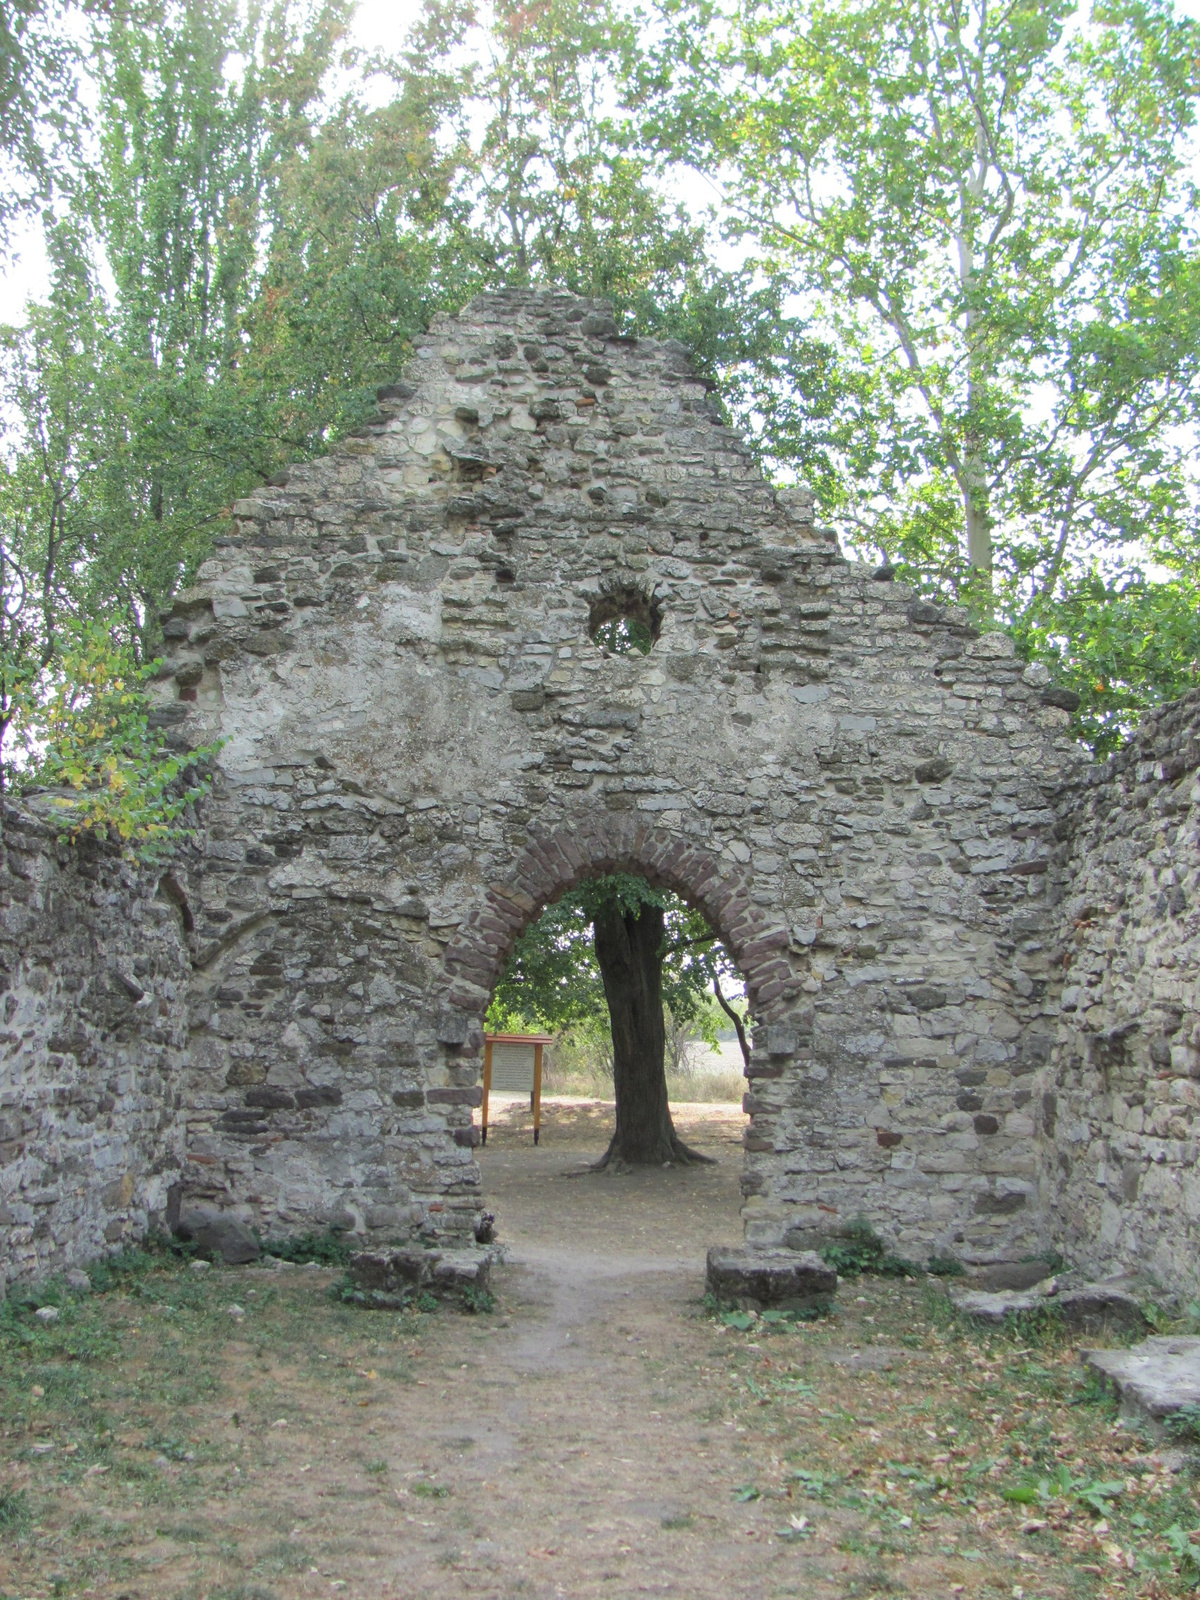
<point>589,1469</point>
<point>240,1434</point>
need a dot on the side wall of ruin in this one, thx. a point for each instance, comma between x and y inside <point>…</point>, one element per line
<point>93,984</point>
<point>1119,1104</point>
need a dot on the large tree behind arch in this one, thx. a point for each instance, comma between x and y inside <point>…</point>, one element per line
<point>617,947</point>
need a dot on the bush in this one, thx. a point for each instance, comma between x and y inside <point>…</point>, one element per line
<point>82,726</point>
<point>945,1267</point>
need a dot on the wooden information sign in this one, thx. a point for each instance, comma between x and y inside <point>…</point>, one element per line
<point>512,1064</point>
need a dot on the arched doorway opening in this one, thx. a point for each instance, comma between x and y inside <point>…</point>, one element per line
<point>619,976</point>
<point>635,995</point>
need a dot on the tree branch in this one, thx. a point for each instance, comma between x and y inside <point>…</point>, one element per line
<point>738,1026</point>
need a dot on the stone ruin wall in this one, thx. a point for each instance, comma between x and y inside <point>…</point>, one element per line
<point>94,981</point>
<point>424,748</point>
<point>1120,1102</point>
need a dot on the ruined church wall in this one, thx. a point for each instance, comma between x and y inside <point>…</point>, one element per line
<point>1120,1103</point>
<point>94,988</point>
<point>424,747</point>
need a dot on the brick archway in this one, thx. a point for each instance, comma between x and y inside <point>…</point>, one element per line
<point>550,866</point>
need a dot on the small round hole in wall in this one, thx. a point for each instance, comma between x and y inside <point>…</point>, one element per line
<point>625,622</point>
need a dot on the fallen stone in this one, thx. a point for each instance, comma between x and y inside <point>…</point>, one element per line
<point>387,1279</point>
<point>1154,1381</point>
<point>1098,1308</point>
<point>47,1313</point>
<point>754,1279</point>
<point>875,1359</point>
<point>77,1280</point>
<point>1007,1275</point>
<point>984,1305</point>
<point>217,1235</point>
<point>393,1272</point>
<point>1095,1308</point>
<point>463,1269</point>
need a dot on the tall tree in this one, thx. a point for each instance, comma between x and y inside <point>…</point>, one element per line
<point>39,120</point>
<point>619,949</point>
<point>988,211</point>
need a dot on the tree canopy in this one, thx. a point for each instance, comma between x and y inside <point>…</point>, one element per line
<point>946,273</point>
<point>987,212</point>
<point>553,979</point>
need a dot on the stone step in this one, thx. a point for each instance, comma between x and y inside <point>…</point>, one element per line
<point>1156,1380</point>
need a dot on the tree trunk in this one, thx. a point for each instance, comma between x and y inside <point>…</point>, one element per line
<point>629,951</point>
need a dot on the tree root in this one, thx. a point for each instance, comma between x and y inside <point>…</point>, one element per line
<point>674,1154</point>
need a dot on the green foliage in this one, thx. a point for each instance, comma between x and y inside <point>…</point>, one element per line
<point>552,979</point>
<point>15,1515</point>
<point>331,1249</point>
<point>966,310</point>
<point>859,1249</point>
<point>1094,1494</point>
<point>944,1267</point>
<point>1184,1423</point>
<point>987,220</point>
<point>83,727</point>
<point>39,116</point>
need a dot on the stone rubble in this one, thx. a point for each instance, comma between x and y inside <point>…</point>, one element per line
<point>1093,1308</point>
<point>759,1279</point>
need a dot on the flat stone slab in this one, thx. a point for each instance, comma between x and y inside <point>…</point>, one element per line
<point>389,1278</point>
<point>1155,1380</point>
<point>1094,1308</point>
<point>993,1305</point>
<point>758,1279</point>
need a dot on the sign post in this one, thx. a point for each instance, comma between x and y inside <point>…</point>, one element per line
<point>512,1064</point>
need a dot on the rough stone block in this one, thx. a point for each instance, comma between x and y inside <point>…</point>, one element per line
<point>452,1027</point>
<point>393,1271</point>
<point>1155,1380</point>
<point>217,1235</point>
<point>463,1269</point>
<point>758,1279</point>
<point>1094,1308</point>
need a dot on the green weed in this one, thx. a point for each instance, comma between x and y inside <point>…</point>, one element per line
<point>859,1249</point>
<point>15,1515</point>
<point>945,1267</point>
<point>478,1301</point>
<point>331,1249</point>
<point>1184,1423</point>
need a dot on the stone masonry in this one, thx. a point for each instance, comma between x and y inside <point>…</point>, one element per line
<point>94,975</point>
<point>1120,1101</point>
<point>424,747</point>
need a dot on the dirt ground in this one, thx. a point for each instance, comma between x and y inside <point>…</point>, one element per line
<point>602,1432</point>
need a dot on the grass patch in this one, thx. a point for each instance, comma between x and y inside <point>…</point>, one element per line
<point>15,1515</point>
